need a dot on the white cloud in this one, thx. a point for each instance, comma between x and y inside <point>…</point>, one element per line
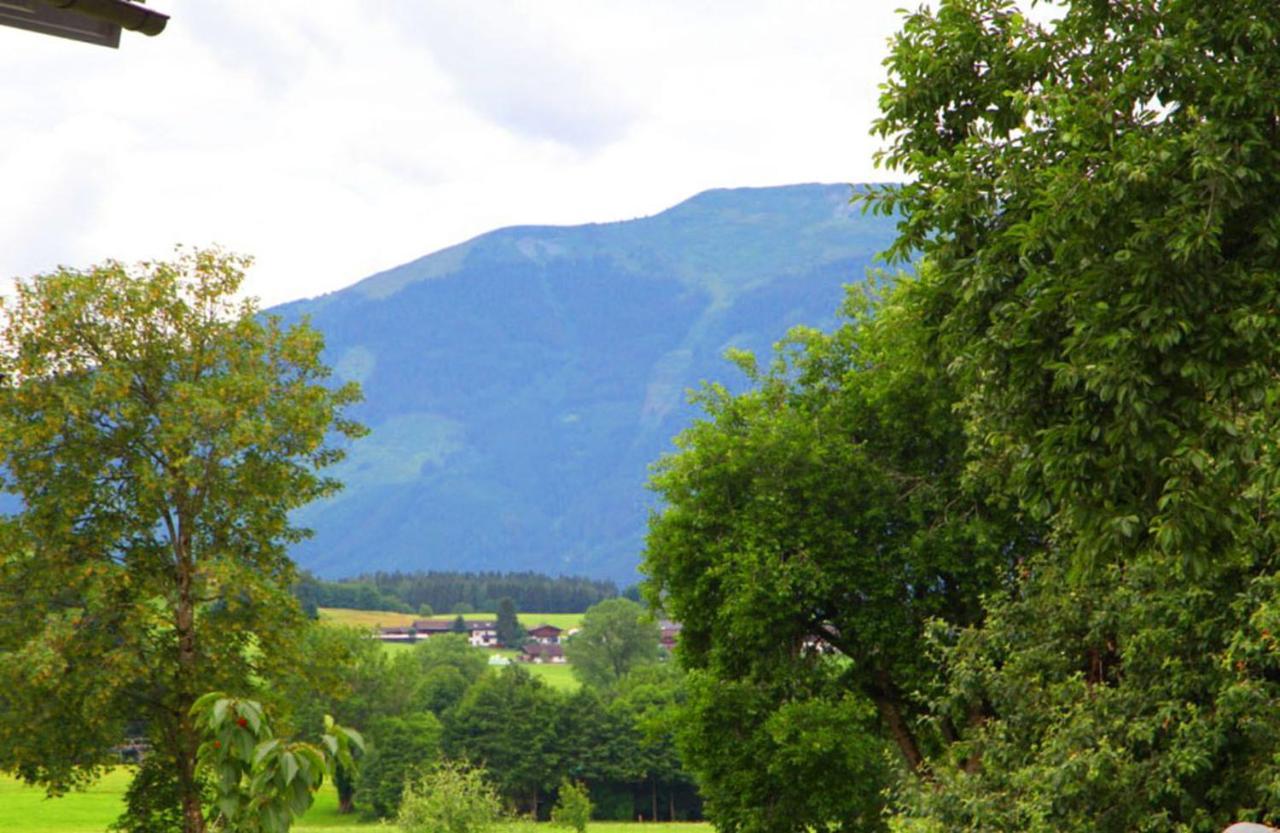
<point>333,140</point>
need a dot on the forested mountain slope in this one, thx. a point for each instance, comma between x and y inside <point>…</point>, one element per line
<point>519,384</point>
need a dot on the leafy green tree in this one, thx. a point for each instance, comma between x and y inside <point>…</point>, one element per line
<point>653,699</point>
<point>437,672</point>
<point>812,527</point>
<point>452,798</point>
<point>459,624</point>
<point>616,636</point>
<point>1093,200</point>
<point>425,610</point>
<point>158,434</point>
<point>573,806</point>
<point>507,724</point>
<point>596,743</point>
<point>401,749</point>
<point>511,634</point>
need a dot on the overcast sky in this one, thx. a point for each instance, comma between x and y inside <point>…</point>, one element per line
<point>335,139</point>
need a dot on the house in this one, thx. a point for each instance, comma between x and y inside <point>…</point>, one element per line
<point>541,652</point>
<point>546,634</point>
<point>668,633</point>
<point>480,633</point>
<point>398,634</point>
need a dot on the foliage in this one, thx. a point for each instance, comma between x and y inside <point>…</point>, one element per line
<point>1094,203</point>
<point>573,806</point>
<point>441,591</point>
<point>452,798</point>
<point>507,724</point>
<point>158,434</point>
<point>511,634</point>
<point>341,672</point>
<point>653,697</point>
<point>616,636</point>
<point>152,802</point>
<point>261,782</point>
<point>402,748</point>
<point>812,527</point>
<point>1094,198</point>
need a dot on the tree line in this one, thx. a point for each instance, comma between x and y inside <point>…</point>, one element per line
<point>453,592</point>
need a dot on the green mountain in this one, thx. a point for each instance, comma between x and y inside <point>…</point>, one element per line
<point>518,385</point>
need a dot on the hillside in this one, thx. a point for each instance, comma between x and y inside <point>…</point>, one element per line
<point>519,384</point>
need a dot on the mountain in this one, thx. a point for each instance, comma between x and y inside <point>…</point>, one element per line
<point>518,385</point>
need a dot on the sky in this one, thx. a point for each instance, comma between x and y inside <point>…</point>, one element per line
<point>332,140</point>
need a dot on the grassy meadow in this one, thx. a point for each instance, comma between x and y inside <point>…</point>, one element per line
<point>25,809</point>
<point>389,619</point>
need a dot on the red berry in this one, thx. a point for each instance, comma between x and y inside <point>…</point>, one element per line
<point>241,722</point>
<point>217,744</point>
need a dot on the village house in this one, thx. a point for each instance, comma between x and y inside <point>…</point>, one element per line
<point>541,652</point>
<point>546,634</point>
<point>480,633</point>
<point>668,633</point>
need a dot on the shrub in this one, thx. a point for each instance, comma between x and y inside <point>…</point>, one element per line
<point>573,806</point>
<point>452,798</point>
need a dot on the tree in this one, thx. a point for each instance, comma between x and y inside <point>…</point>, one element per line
<point>459,624</point>
<point>506,723</point>
<point>402,749</point>
<point>158,434</point>
<point>1093,200</point>
<point>573,807</point>
<point>811,528</point>
<point>616,636</point>
<point>511,633</point>
<point>453,798</point>
<point>653,698</point>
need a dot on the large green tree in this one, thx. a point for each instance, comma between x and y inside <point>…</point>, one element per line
<point>1096,199</point>
<point>812,527</point>
<point>507,724</point>
<point>616,636</point>
<point>158,433</point>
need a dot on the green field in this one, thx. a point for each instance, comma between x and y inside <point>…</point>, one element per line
<point>389,619</point>
<point>25,809</point>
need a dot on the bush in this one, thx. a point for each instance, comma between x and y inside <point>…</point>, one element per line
<point>573,807</point>
<point>452,798</point>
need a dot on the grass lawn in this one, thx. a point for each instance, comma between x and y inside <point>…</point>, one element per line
<point>390,619</point>
<point>25,809</point>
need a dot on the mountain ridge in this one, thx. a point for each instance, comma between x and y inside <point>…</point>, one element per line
<point>519,383</point>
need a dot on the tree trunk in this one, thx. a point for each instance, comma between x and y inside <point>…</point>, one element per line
<point>654,797</point>
<point>187,741</point>
<point>671,805</point>
<point>884,695</point>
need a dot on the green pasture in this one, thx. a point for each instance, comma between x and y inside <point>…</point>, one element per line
<point>556,676</point>
<point>25,809</point>
<point>390,619</point>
